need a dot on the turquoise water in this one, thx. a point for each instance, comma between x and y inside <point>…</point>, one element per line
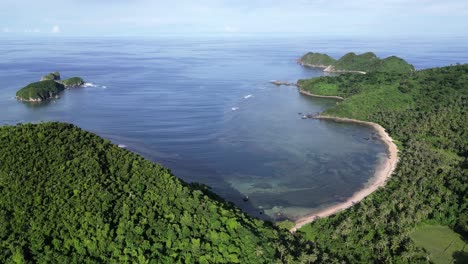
<point>205,109</point>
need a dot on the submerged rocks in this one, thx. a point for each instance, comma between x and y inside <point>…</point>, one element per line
<point>276,82</point>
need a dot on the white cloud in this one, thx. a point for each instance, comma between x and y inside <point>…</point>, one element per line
<point>55,29</point>
<point>231,29</point>
<point>33,30</point>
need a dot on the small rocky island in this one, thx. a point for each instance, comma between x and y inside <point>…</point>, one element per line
<point>351,62</point>
<point>47,88</point>
<point>277,82</point>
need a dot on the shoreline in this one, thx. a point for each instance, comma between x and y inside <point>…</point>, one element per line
<point>301,91</point>
<point>382,173</point>
<point>327,68</point>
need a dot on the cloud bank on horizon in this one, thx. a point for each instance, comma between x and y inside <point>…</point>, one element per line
<point>153,17</point>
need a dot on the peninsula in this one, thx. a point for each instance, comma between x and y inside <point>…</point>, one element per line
<point>47,88</point>
<point>425,112</point>
<point>354,63</point>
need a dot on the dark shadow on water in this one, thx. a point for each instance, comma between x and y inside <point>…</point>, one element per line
<point>38,105</point>
<point>202,177</point>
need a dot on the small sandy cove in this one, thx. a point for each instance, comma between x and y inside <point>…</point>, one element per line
<point>382,173</point>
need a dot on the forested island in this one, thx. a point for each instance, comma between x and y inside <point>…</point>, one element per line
<point>67,195</point>
<point>351,62</point>
<point>47,88</point>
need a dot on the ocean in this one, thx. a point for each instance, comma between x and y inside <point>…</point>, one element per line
<point>205,108</point>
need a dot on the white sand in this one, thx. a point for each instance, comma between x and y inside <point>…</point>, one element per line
<point>382,173</point>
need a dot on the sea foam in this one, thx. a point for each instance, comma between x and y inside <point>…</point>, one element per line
<point>89,85</point>
<point>94,85</point>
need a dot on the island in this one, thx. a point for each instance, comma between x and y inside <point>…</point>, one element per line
<point>73,82</point>
<point>47,88</point>
<point>354,63</point>
<point>40,91</point>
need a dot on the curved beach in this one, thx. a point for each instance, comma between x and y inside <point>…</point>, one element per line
<point>382,173</point>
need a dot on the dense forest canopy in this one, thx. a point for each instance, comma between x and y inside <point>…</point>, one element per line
<point>69,196</point>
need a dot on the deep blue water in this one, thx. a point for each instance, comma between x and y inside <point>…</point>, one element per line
<point>205,109</point>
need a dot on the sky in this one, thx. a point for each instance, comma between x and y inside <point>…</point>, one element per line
<point>205,17</point>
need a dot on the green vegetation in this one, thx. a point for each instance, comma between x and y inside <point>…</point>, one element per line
<point>49,87</point>
<point>40,91</point>
<point>73,82</point>
<point>285,224</point>
<point>427,113</point>
<point>369,62</point>
<point>317,59</point>
<point>53,76</point>
<point>442,244</point>
<point>366,62</point>
<point>69,196</point>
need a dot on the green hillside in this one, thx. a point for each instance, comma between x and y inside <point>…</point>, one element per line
<point>426,112</point>
<point>351,62</point>
<point>317,59</point>
<point>69,196</point>
<point>40,91</point>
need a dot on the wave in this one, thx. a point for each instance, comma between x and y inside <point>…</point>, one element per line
<point>90,84</point>
<point>248,96</point>
<point>121,146</point>
<point>234,108</point>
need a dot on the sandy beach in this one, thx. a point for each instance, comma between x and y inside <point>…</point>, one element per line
<point>382,173</point>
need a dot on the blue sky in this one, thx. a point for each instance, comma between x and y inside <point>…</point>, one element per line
<point>185,17</point>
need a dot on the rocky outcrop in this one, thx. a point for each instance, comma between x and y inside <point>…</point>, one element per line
<point>276,82</point>
<point>53,76</point>
<point>73,82</point>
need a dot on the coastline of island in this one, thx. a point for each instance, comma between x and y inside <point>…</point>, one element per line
<point>302,91</point>
<point>48,87</point>
<point>382,173</point>
<point>326,68</point>
<point>355,63</point>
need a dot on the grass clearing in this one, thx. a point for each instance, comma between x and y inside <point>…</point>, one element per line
<point>442,243</point>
